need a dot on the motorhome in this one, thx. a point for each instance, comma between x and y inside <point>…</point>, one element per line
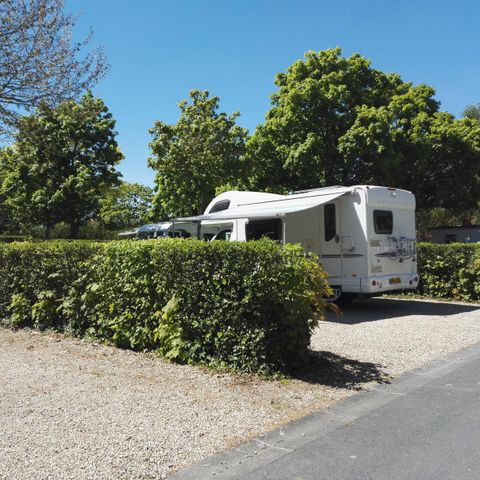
<point>363,234</point>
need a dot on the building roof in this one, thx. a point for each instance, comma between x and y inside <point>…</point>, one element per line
<point>456,227</point>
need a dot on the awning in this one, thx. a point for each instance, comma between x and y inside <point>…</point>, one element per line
<point>268,209</point>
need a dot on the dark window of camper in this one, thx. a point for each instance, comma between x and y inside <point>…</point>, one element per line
<point>330,222</point>
<point>224,235</point>
<point>219,206</point>
<point>180,233</point>
<point>383,221</point>
<point>264,228</point>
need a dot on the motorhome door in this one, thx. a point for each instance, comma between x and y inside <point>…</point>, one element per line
<point>330,238</point>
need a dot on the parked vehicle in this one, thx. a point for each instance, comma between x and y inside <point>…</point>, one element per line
<point>364,235</point>
<point>168,230</point>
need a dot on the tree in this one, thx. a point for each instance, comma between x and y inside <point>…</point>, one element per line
<point>38,62</point>
<point>195,156</point>
<point>6,220</point>
<point>472,111</point>
<point>430,153</point>
<point>315,104</point>
<point>127,205</point>
<point>336,120</point>
<point>62,160</point>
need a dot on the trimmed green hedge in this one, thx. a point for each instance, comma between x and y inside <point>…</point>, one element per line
<point>450,271</point>
<point>247,306</point>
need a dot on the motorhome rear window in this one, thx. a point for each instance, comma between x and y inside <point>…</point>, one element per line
<point>258,229</point>
<point>219,206</point>
<point>330,222</point>
<point>383,221</point>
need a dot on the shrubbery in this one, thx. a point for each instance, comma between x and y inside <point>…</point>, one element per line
<point>13,238</point>
<point>248,306</point>
<point>450,271</point>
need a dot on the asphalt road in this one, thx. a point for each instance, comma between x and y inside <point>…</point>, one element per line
<point>424,425</point>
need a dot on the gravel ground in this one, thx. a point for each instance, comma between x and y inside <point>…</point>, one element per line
<point>71,409</point>
<point>399,334</point>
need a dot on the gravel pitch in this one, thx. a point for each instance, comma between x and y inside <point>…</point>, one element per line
<point>71,409</point>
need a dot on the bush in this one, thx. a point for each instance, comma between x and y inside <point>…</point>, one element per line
<point>13,238</point>
<point>247,306</point>
<point>43,275</point>
<point>450,271</point>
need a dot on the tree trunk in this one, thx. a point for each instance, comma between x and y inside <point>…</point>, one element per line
<point>74,229</point>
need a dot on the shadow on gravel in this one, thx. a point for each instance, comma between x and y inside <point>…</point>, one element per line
<point>327,368</point>
<point>375,309</point>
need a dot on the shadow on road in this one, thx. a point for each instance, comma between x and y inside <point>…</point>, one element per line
<point>327,368</point>
<point>375,309</point>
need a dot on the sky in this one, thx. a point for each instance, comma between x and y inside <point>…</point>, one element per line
<point>160,50</point>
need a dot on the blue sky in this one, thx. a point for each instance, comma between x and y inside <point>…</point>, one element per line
<point>160,50</point>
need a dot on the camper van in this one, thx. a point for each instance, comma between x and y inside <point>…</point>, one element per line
<point>364,235</point>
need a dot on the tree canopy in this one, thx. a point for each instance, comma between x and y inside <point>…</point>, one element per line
<point>337,120</point>
<point>38,61</point>
<point>126,205</point>
<point>62,160</point>
<point>194,157</point>
<point>472,111</point>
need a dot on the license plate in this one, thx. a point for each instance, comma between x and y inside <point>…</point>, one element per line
<point>395,280</point>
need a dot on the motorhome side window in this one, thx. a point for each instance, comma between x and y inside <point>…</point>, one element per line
<point>330,222</point>
<point>383,221</point>
<point>258,229</point>
<point>219,206</point>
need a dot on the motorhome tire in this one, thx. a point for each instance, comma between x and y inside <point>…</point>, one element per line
<point>347,297</point>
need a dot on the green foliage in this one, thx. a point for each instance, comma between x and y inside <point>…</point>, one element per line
<point>195,156</point>
<point>13,238</point>
<point>248,306</point>
<point>46,276</point>
<point>20,310</point>
<point>126,206</point>
<point>63,158</point>
<point>315,105</point>
<point>430,153</point>
<point>338,121</point>
<point>472,111</point>
<point>450,271</point>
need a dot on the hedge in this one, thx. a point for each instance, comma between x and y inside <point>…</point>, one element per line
<point>450,271</point>
<point>246,306</point>
<point>13,238</point>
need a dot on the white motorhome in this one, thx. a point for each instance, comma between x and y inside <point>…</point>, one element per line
<point>364,235</point>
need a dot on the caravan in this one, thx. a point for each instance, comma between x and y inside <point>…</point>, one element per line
<point>364,235</point>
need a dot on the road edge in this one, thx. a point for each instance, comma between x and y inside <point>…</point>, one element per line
<point>264,449</point>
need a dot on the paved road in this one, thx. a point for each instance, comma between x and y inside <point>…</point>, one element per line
<point>425,425</point>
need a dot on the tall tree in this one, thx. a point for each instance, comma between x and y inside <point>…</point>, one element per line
<point>435,156</point>
<point>7,223</point>
<point>472,111</point>
<point>126,205</point>
<point>195,156</point>
<point>38,61</point>
<point>315,104</point>
<point>62,160</point>
<point>336,120</point>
